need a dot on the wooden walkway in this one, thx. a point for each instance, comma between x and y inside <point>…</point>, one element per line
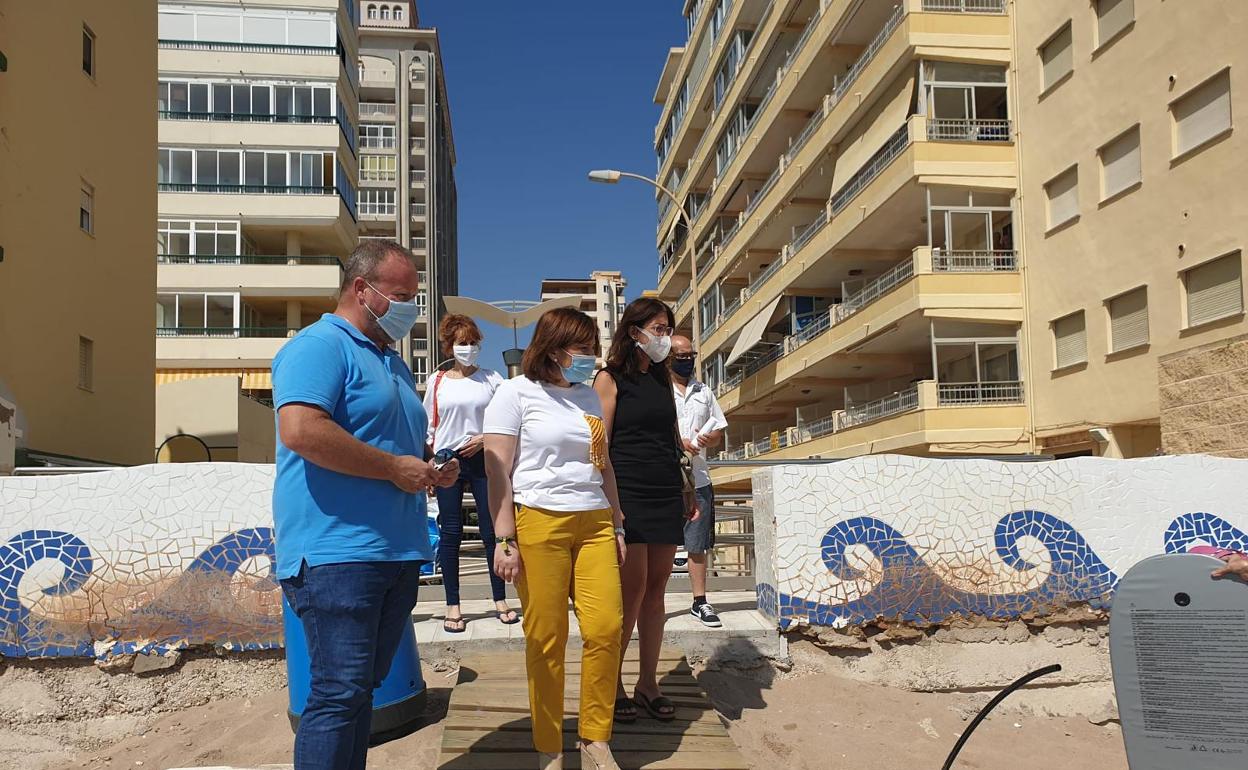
<point>487,723</point>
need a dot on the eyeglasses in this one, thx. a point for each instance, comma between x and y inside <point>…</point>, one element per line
<point>685,356</point>
<point>662,331</point>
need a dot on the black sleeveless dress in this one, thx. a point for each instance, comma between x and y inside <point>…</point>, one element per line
<point>646,460</point>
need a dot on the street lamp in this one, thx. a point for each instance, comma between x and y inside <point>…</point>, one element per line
<point>612,176</point>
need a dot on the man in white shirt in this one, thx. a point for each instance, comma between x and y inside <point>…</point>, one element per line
<point>702,425</point>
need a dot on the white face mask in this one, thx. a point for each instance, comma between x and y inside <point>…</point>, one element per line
<point>466,355</point>
<point>657,348</point>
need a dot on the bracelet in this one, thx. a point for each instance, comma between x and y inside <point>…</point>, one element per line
<point>619,530</point>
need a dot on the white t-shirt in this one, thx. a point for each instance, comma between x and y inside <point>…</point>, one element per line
<point>698,411</point>
<point>555,452</point>
<point>461,406</point>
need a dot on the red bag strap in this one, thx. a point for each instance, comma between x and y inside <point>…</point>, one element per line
<point>437,381</point>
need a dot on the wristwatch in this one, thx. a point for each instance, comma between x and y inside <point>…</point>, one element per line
<point>619,530</point>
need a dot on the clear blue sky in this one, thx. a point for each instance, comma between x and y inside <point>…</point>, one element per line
<point>540,94</point>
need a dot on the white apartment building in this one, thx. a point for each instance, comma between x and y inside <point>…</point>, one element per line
<point>256,175</point>
<point>407,159</point>
<point>602,298</point>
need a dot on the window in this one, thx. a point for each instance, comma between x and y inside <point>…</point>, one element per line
<point>398,13</point>
<point>372,11</point>
<point>204,239</point>
<point>378,168</point>
<point>1112,17</point>
<point>1063,194</point>
<point>1057,58</point>
<point>385,12</point>
<point>1070,337</point>
<point>88,51</point>
<point>377,137</point>
<point>376,202</point>
<point>86,364</point>
<point>1128,320</point>
<point>1120,163</point>
<point>1202,114</point>
<point>1214,290</point>
<point>86,209</point>
<point>197,314</point>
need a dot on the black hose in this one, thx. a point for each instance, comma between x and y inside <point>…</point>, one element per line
<point>993,704</point>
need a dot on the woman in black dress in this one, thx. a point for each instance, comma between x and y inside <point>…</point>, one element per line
<point>640,415</point>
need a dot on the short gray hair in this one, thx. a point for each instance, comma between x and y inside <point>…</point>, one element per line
<point>368,257</point>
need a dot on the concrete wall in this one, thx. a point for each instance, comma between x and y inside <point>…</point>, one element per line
<point>60,127</point>
<point>234,428</point>
<point>1204,399</point>
<point>924,540</point>
<point>1185,210</point>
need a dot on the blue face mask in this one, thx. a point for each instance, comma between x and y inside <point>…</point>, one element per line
<point>582,368</point>
<point>398,319</point>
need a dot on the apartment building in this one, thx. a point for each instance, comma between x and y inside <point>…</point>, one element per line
<point>407,159</point>
<point>77,347</point>
<point>256,173</point>
<point>602,298</point>
<point>849,169</point>
<point>1135,223</point>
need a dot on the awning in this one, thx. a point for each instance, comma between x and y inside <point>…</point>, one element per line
<point>882,120</point>
<point>752,332</point>
<point>253,379</point>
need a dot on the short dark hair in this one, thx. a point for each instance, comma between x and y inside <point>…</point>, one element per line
<point>557,330</point>
<point>452,326</point>
<point>622,358</point>
<point>367,258</point>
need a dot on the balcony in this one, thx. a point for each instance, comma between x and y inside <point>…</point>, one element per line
<point>377,111</point>
<point>224,346</point>
<point>268,276</point>
<point>247,332</point>
<point>419,176</point>
<point>239,117</point>
<point>418,112</point>
<point>201,45</point>
<point>378,143</point>
<point>418,210</point>
<point>377,210</point>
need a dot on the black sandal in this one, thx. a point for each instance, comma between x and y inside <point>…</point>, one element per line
<point>461,622</point>
<point>659,707</point>
<point>514,620</point>
<point>625,710</point>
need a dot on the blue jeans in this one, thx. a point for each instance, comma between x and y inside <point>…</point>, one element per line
<point>451,526</point>
<point>353,616</point>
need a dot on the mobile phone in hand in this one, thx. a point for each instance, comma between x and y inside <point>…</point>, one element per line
<point>442,457</point>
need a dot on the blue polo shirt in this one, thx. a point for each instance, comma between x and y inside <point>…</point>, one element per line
<point>324,517</point>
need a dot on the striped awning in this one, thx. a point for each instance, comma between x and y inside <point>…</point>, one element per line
<point>253,379</point>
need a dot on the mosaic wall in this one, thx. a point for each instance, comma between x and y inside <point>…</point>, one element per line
<point>923,540</point>
<point>138,560</point>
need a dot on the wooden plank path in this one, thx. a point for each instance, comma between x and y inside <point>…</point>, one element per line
<point>487,722</point>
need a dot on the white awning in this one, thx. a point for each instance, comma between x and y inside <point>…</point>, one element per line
<point>878,125</point>
<point>752,332</point>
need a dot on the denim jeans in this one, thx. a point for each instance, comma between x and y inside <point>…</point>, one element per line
<point>353,616</point>
<point>451,527</point>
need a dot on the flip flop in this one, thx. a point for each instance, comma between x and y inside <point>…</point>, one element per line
<point>655,707</point>
<point>462,624</point>
<point>625,711</point>
<point>499,614</point>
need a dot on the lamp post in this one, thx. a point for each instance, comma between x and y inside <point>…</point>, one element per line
<point>612,176</point>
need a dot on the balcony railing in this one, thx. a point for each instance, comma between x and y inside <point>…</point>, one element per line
<point>378,143</point>
<point>245,189</point>
<point>244,259</point>
<point>420,243</point>
<point>205,45</point>
<point>900,273</point>
<point>965,6</point>
<point>419,175</point>
<point>377,110</point>
<point>418,144</point>
<point>375,176</point>
<point>370,209</point>
<point>902,401</point>
<point>418,209</point>
<point>226,332</point>
<point>417,112</point>
<point>975,393</point>
<point>809,232</point>
<point>968,130</point>
<point>239,117</point>
<point>994,260</point>
<point>892,148</point>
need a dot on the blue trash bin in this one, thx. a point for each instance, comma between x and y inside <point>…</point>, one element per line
<point>398,702</point>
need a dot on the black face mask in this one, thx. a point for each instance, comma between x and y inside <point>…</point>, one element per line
<point>682,367</point>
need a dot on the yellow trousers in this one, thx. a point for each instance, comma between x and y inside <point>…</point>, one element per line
<point>569,554</point>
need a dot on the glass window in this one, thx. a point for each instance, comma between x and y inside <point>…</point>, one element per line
<point>206,243</point>
<point>178,97</point>
<point>228,171</point>
<point>166,311</point>
<point>206,167</point>
<point>283,99</point>
<point>320,102</point>
<point>275,169</point>
<point>176,25</point>
<point>88,51</point>
<point>242,100</point>
<point>1057,58</point>
<point>254,168</point>
<point>260,100</point>
<point>1203,113</point>
<point>190,311</point>
<point>221,99</point>
<point>385,12</point>
<point>86,364</point>
<point>264,29</point>
<point>199,97</point>
<point>219,311</point>
<point>398,13</point>
<point>303,100</point>
<point>216,28</point>
<point>372,11</point>
<point>313,32</point>
<point>86,208</point>
<point>162,96</point>
<point>1112,17</point>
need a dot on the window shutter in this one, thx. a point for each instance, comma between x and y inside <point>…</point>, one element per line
<point>1063,194</point>
<point>86,363</point>
<point>1128,320</point>
<point>1070,334</point>
<point>1215,290</point>
<point>1112,17</point>
<point>1057,57</point>
<point>1203,113</point>
<point>1120,163</point>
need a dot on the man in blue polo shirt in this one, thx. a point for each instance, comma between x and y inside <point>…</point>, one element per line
<point>349,501</point>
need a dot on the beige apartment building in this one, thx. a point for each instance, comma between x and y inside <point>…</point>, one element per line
<point>900,209</point>
<point>76,204</point>
<point>407,166</point>
<point>256,173</point>
<point>1135,219</point>
<point>602,299</point>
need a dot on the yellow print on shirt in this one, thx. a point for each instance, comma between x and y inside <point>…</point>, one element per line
<point>597,441</point>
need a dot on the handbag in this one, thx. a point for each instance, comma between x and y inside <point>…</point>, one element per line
<point>688,490</point>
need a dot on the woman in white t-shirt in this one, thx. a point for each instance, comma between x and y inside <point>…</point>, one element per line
<point>560,529</point>
<point>455,401</point>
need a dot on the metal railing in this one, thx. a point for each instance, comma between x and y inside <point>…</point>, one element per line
<point>878,287</point>
<point>965,6</point>
<point>892,148</point>
<point>972,393</point>
<point>377,209</point>
<point>378,143</point>
<point>244,259</point>
<point>205,45</point>
<point>418,112</point>
<point>418,209</point>
<point>377,110</point>
<point>420,243</point>
<point>872,49</point>
<point>974,261</point>
<point>757,364</point>
<point>809,232</point>
<point>767,273</point>
<point>241,117</point>
<point>968,130</point>
<point>378,175</point>
<point>811,330</point>
<point>419,175</point>
<point>418,144</point>
<point>684,295</point>
<point>226,332</point>
<point>896,403</point>
<point>245,189</point>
